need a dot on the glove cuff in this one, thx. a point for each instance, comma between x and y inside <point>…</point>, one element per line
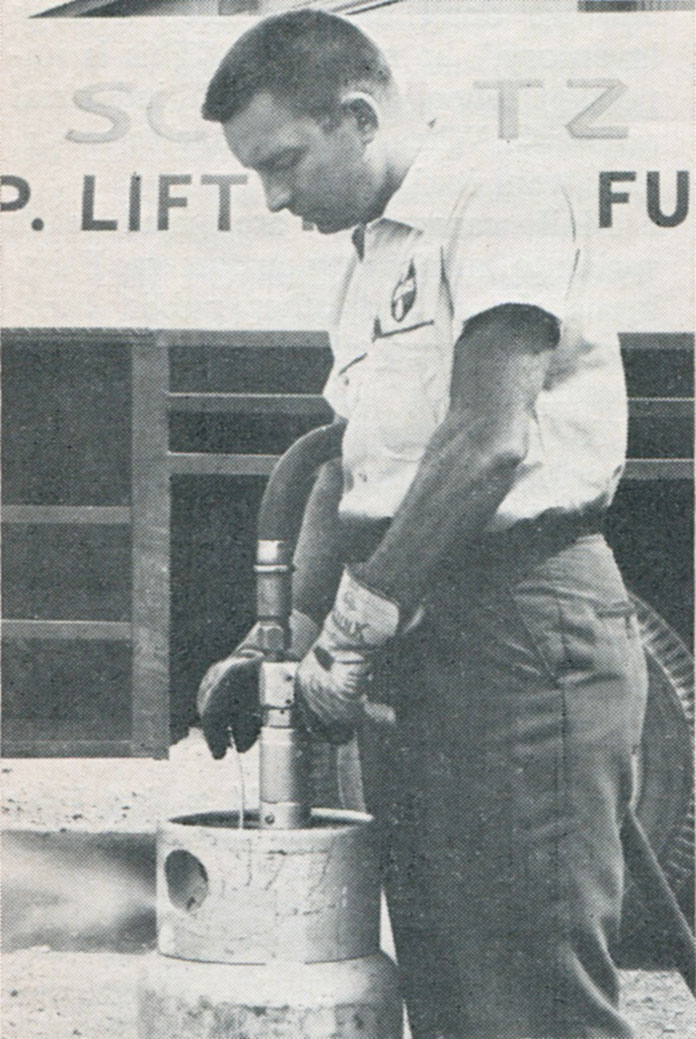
<point>363,617</point>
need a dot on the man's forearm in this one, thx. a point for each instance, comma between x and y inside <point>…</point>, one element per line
<point>469,466</point>
<point>457,490</point>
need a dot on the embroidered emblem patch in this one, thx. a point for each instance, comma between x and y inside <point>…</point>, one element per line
<point>404,295</point>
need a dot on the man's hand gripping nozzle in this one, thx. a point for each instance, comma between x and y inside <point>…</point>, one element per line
<point>334,677</point>
<point>259,691</point>
<point>249,695</point>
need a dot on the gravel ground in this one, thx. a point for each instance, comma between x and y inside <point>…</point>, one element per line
<point>123,794</point>
<point>63,995</point>
<point>49,995</point>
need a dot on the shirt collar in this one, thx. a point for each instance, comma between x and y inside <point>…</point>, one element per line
<point>358,240</point>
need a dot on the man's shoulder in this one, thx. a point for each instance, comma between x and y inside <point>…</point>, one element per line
<point>455,175</point>
<point>512,177</point>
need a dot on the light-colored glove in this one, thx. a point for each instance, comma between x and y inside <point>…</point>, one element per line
<point>228,696</point>
<point>332,680</point>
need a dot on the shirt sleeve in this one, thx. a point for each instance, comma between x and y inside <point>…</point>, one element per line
<point>513,241</point>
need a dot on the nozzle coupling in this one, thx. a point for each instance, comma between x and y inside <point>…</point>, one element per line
<point>274,570</point>
<point>283,780</point>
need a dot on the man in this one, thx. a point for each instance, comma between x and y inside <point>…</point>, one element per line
<point>485,434</point>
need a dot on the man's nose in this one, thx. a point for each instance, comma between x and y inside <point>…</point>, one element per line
<point>278,195</point>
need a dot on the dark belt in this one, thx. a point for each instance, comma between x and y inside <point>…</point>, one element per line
<point>507,555</point>
<point>516,548</point>
<point>551,531</point>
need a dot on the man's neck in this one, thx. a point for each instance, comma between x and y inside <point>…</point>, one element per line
<point>405,142</point>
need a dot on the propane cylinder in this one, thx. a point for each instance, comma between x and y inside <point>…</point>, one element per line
<point>270,930</point>
<point>268,933</point>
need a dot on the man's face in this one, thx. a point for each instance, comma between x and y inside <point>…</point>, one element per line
<point>319,174</point>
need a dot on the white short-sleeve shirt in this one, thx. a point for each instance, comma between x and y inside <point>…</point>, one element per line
<point>451,244</point>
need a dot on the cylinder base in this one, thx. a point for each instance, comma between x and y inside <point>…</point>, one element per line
<point>352,999</point>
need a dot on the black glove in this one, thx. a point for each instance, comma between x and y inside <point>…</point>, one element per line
<point>228,696</point>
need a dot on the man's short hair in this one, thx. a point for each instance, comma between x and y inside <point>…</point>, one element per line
<point>303,58</point>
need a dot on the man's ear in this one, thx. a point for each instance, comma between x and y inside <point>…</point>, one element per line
<point>365,111</point>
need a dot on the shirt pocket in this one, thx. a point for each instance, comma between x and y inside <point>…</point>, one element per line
<point>404,391</point>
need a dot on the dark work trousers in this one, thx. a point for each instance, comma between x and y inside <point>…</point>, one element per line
<point>500,794</point>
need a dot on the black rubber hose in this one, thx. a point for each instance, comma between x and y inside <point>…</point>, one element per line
<point>291,480</point>
<point>659,897</point>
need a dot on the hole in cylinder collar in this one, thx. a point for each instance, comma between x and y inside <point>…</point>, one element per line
<point>187,880</point>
